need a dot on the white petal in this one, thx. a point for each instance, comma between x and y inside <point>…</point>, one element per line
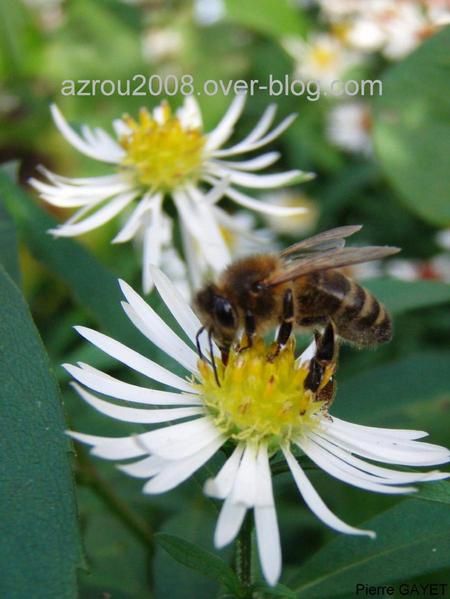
<point>134,221</point>
<point>254,164</point>
<point>98,152</point>
<point>391,453</point>
<point>153,240</point>
<point>134,360</point>
<point>155,329</point>
<point>177,305</point>
<point>262,126</point>
<point>136,415</point>
<point>258,181</point>
<point>183,440</point>
<point>267,533</point>
<point>263,207</point>
<point>229,523</point>
<point>245,146</point>
<point>178,471</point>
<point>315,503</point>
<point>308,354</point>
<point>199,221</point>
<point>225,128</point>
<point>121,129</point>
<point>100,139</point>
<point>221,486</point>
<point>244,488</point>
<point>196,265</point>
<point>114,448</point>
<point>66,196</point>
<point>108,385</point>
<point>144,468</point>
<point>81,181</point>
<point>269,545</point>
<point>385,475</point>
<point>346,473</point>
<point>103,215</point>
<point>189,114</point>
<point>134,446</point>
<point>389,432</point>
<point>212,235</point>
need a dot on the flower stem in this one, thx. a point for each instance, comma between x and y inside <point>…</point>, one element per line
<point>89,476</point>
<point>244,555</point>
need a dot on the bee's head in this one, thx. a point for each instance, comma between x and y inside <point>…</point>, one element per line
<point>218,315</point>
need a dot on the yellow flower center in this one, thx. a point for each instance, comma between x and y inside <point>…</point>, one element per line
<point>261,396</point>
<point>162,153</point>
<point>323,56</point>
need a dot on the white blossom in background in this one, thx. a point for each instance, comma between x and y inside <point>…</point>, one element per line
<point>295,226</point>
<point>393,27</point>
<point>349,127</point>
<point>434,269</point>
<point>162,44</point>
<point>162,154</point>
<point>209,12</point>
<point>50,13</point>
<point>443,239</point>
<point>260,409</point>
<point>322,58</point>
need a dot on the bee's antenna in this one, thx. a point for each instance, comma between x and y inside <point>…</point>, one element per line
<point>213,360</point>
<point>197,343</point>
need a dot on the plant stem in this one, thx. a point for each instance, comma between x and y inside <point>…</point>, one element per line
<point>88,475</point>
<point>244,554</point>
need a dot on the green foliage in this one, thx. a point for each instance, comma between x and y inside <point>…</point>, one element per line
<point>8,246</point>
<point>276,19</point>
<point>412,129</point>
<point>201,561</point>
<point>403,384</point>
<point>401,296</point>
<point>93,286</point>
<point>411,537</point>
<point>39,541</point>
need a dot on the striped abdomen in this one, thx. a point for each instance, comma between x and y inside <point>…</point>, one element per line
<point>330,295</point>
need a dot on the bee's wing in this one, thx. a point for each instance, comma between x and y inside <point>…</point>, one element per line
<point>327,240</point>
<point>330,259</point>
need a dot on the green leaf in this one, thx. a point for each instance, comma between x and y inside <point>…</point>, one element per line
<point>438,491</point>
<point>412,136</point>
<point>413,538</point>
<point>93,286</point>
<point>39,546</point>
<point>400,296</point>
<point>8,246</point>
<point>387,394</point>
<point>198,559</point>
<point>271,18</point>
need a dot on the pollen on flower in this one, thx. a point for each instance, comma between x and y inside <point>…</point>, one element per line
<point>162,152</point>
<point>260,397</point>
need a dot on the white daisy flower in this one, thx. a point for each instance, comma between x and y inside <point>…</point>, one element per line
<point>322,58</point>
<point>349,127</point>
<point>164,154</point>
<point>260,409</point>
<point>295,226</point>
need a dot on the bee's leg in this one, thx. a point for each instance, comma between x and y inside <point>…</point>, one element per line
<point>325,353</point>
<point>197,342</point>
<point>250,329</point>
<point>287,323</point>
<point>213,360</point>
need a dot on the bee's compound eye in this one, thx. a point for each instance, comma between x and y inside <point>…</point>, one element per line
<point>257,288</point>
<point>224,312</point>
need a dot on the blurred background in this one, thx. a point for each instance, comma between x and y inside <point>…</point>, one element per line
<point>380,161</point>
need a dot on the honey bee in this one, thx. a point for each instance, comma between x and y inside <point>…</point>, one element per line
<point>300,287</point>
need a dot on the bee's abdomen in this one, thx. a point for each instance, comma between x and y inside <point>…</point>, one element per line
<point>360,317</point>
